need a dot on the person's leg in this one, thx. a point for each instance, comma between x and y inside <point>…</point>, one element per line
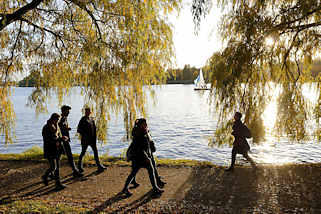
<point>50,170</point>
<point>71,159</point>
<point>233,158</point>
<point>95,151</point>
<point>131,176</point>
<point>152,178</point>
<point>134,182</point>
<point>160,183</point>
<point>59,185</point>
<point>246,155</point>
<point>83,152</point>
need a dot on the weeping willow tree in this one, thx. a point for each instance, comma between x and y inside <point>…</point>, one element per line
<point>268,44</point>
<point>113,50</point>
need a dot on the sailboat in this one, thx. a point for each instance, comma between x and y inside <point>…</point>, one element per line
<point>199,82</point>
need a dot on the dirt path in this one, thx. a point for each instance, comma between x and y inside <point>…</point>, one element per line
<point>271,189</point>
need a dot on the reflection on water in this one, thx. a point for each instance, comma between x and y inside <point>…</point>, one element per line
<point>180,124</point>
<point>309,92</point>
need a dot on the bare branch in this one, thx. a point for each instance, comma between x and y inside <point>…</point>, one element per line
<point>288,52</point>
<point>282,25</point>
<point>83,6</point>
<point>12,52</point>
<point>47,30</point>
<point>7,19</point>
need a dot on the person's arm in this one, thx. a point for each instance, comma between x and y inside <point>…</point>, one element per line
<point>95,129</point>
<point>234,128</point>
<point>80,127</point>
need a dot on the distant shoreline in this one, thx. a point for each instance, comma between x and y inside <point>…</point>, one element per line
<point>171,82</point>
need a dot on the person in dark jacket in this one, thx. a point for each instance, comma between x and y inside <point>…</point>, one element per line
<point>64,128</point>
<point>53,149</point>
<point>152,149</point>
<point>87,129</point>
<point>240,144</point>
<point>141,157</point>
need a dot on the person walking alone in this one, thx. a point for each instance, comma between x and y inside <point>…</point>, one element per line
<point>240,144</point>
<point>87,129</point>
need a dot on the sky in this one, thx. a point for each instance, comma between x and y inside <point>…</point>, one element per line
<point>190,48</point>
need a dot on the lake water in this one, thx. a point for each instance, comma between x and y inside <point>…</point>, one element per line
<point>180,122</point>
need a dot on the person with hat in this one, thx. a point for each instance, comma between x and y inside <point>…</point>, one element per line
<point>52,149</point>
<point>87,130</point>
<point>64,128</point>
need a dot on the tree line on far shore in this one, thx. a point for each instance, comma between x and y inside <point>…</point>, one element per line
<point>185,75</point>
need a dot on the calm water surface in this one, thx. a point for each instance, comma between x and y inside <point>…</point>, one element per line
<point>180,122</point>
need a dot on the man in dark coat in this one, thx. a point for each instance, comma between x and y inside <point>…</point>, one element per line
<point>53,149</point>
<point>141,157</point>
<point>240,144</point>
<point>64,128</point>
<point>87,129</point>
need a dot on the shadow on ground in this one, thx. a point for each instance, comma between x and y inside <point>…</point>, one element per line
<point>202,189</point>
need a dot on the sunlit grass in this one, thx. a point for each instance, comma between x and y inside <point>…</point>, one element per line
<point>32,206</point>
<point>36,154</point>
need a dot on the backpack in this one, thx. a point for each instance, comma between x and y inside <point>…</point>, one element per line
<point>246,131</point>
<point>129,153</point>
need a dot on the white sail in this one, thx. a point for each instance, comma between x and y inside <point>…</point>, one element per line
<point>200,82</point>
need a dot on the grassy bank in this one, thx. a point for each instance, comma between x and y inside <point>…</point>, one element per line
<point>38,207</point>
<point>36,154</point>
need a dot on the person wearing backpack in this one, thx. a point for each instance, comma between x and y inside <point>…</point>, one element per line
<point>135,134</point>
<point>141,157</point>
<point>240,144</point>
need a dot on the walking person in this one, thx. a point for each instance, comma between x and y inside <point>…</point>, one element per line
<point>87,129</point>
<point>141,157</point>
<point>53,149</point>
<point>152,147</point>
<point>64,128</point>
<point>240,144</point>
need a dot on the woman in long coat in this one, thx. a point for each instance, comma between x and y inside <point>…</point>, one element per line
<point>141,157</point>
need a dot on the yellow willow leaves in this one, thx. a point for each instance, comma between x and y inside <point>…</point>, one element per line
<point>242,71</point>
<point>111,51</point>
<point>7,125</point>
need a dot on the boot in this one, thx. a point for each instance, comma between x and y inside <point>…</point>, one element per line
<point>161,183</point>
<point>157,190</point>
<point>45,180</point>
<point>80,169</point>
<point>135,184</point>
<point>77,174</point>
<point>126,192</point>
<point>101,168</point>
<point>59,185</point>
